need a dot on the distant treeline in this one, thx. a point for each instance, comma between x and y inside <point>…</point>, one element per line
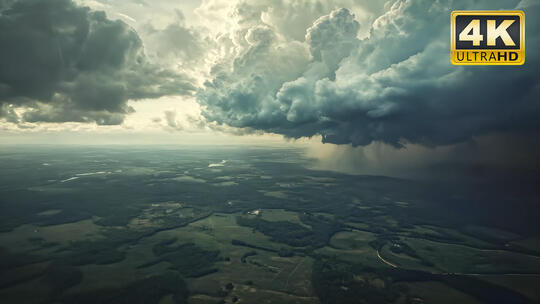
<point>336,281</point>
<point>294,234</point>
<point>188,259</point>
<point>149,290</point>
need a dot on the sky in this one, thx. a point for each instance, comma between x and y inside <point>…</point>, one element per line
<point>364,86</point>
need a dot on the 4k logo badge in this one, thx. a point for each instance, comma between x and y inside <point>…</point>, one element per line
<point>487,37</point>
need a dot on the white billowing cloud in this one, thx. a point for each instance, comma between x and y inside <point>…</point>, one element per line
<point>332,37</point>
<point>395,85</point>
<point>159,13</point>
<point>260,59</point>
<point>126,17</point>
<point>170,118</point>
<point>177,45</point>
<point>290,18</point>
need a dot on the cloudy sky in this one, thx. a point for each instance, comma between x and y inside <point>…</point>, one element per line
<point>370,79</point>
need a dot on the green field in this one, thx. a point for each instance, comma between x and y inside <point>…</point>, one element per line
<point>165,228</point>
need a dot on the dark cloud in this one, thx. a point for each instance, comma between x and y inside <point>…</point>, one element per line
<point>395,86</point>
<point>67,63</point>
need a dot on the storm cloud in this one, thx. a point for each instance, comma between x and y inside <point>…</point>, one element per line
<point>395,86</point>
<point>63,62</point>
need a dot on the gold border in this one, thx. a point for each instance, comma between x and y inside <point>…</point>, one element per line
<point>519,13</point>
